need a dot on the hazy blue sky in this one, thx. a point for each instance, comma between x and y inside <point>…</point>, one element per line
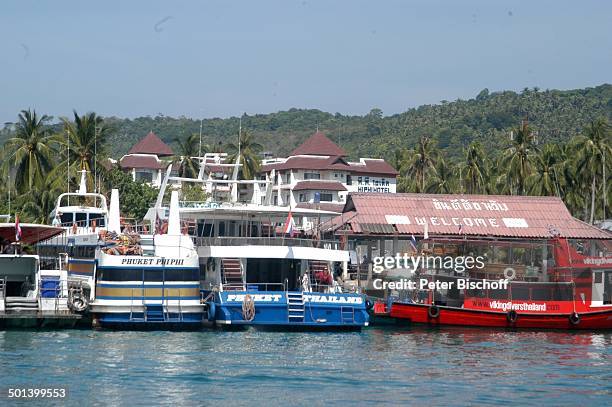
<point>221,58</point>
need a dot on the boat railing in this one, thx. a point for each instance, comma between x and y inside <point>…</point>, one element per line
<point>266,286</point>
<point>267,241</point>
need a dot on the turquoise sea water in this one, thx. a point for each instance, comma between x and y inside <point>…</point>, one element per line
<point>393,366</point>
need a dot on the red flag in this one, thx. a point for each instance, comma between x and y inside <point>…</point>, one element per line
<point>289,225</point>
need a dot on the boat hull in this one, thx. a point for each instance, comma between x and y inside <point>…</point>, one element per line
<point>420,314</point>
<point>272,311</point>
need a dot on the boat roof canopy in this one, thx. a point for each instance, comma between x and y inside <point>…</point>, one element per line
<point>30,232</point>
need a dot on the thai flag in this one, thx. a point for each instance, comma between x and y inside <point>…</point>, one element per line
<point>413,242</point>
<point>17,228</point>
<point>461,228</point>
<point>289,225</point>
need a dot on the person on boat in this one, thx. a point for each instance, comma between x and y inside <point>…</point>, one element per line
<point>57,220</point>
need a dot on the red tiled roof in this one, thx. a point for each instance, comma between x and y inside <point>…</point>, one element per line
<point>141,161</point>
<point>151,144</point>
<point>374,166</point>
<point>478,215</point>
<point>318,144</point>
<point>324,206</point>
<point>370,166</point>
<point>319,185</point>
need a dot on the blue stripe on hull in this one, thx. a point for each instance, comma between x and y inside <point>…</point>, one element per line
<point>173,321</point>
<point>167,297</point>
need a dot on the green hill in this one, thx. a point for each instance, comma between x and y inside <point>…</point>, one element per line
<point>489,117</point>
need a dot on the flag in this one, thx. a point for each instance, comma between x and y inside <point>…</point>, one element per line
<point>289,225</point>
<point>413,242</point>
<point>426,231</point>
<point>460,228</point>
<point>17,228</point>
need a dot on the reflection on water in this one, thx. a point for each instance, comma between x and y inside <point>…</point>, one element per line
<point>433,366</point>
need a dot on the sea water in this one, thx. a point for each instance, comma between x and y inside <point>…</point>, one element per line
<point>408,366</point>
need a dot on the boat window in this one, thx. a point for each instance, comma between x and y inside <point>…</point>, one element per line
<point>120,274</point>
<point>81,219</point>
<point>153,275</point>
<point>562,292</point>
<point>67,217</point>
<point>519,292</point>
<point>182,275</point>
<point>541,293</point>
<point>498,294</point>
<point>98,217</point>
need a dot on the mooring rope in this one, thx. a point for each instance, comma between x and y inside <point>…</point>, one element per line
<point>248,308</point>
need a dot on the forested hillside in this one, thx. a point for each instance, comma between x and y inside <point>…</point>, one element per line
<point>489,117</point>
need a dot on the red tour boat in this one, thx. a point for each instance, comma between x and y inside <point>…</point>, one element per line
<point>573,294</point>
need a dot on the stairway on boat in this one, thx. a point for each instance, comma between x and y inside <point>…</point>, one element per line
<point>295,307</point>
<point>231,271</point>
<point>154,313</point>
<point>21,304</point>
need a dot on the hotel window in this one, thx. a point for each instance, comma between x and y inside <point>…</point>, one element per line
<point>312,175</point>
<point>288,178</point>
<point>325,197</point>
<point>144,176</point>
<point>349,180</point>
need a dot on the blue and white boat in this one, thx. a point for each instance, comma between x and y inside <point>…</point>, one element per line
<point>253,274</point>
<point>147,281</point>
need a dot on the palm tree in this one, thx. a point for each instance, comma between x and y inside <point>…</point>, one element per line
<point>30,151</point>
<point>188,149</point>
<point>248,149</point>
<point>474,172</point>
<point>37,204</point>
<point>594,154</point>
<point>442,182</point>
<point>518,159</point>
<point>86,138</point>
<point>422,162</point>
<point>548,169</point>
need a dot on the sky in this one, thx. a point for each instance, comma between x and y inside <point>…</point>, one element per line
<point>205,59</point>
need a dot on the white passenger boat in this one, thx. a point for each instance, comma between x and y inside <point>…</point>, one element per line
<point>146,281</point>
<point>260,266</point>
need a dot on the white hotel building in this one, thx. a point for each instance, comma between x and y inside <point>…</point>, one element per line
<point>319,168</point>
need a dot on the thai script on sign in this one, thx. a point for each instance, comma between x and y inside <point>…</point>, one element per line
<point>365,184</point>
<point>467,205</point>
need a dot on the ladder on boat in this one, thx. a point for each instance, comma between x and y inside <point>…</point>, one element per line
<point>295,307</point>
<point>154,313</point>
<point>232,275</point>
<point>347,315</point>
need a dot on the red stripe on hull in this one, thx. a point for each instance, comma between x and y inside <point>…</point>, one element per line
<point>418,313</point>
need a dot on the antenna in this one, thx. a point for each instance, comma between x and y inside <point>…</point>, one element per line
<point>239,133</point>
<point>200,148</point>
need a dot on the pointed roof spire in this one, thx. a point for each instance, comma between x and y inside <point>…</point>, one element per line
<point>319,144</point>
<point>151,144</point>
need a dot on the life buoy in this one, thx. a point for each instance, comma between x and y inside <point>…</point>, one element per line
<point>78,303</point>
<point>574,318</point>
<point>512,316</point>
<point>369,304</point>
<point>433,311</point>
<point>509,273</point>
